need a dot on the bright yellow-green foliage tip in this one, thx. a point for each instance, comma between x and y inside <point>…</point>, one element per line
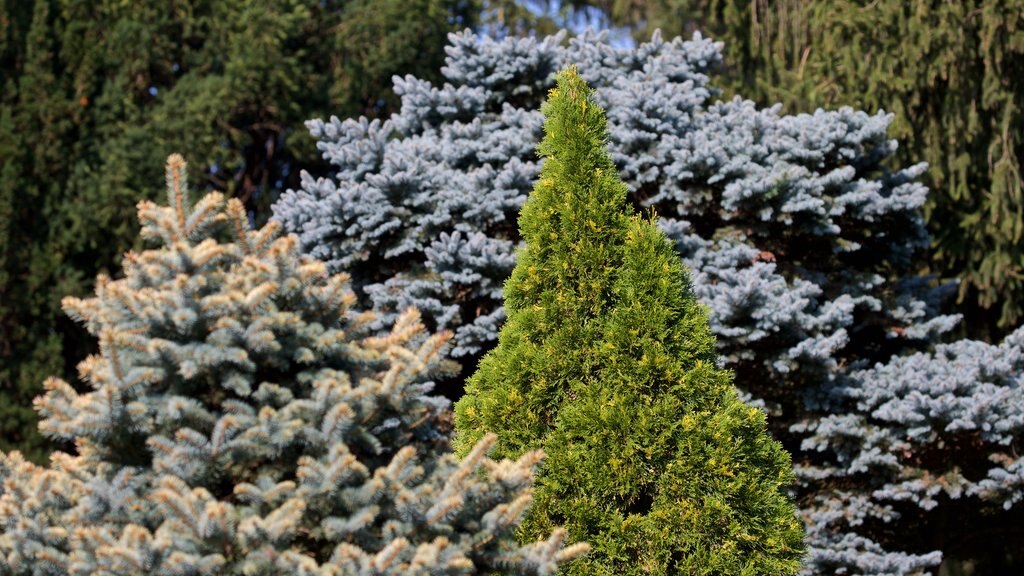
<point>607,363</point>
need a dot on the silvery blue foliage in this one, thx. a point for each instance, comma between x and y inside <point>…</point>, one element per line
<point>458,161</point>
<point>453,167</point>
<point>922,431</point>
<point>801,241</point>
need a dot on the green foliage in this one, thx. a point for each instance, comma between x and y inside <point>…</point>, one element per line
<point>607,363</point>
<point>516,18</point>
<point>97,92</point>
<point>951,72</point>
<point>239,420</point>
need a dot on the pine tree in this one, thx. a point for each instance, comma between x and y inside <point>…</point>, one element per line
<point>607,363</point>
<point>240,422</point>
<point>94,93</point>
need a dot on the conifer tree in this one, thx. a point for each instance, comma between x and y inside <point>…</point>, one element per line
<point>607,363</point>
<point>239,421</point>
<point>929,442</point>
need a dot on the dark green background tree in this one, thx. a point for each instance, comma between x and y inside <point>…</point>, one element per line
<point>953,74</point>
<point>607,363</point>
<point>97,93</point>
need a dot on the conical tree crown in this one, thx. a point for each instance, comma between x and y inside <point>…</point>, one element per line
<point>238,420</point>
<point>607,362</point>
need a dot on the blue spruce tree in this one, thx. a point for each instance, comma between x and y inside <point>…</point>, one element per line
<point>801,241</point>
<point>240,421</point>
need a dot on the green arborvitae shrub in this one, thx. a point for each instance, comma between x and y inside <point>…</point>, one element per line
<point>238,422</point>
<point>607,363</point>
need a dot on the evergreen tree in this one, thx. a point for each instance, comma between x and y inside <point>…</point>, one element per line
<point>34,117</point>
<point>94,93</point>
<point>800,239</point>
<point>607,363</point>
<point>239,422</point>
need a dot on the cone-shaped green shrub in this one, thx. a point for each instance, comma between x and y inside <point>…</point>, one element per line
<point>238,421</point>
<point>607,362</point>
